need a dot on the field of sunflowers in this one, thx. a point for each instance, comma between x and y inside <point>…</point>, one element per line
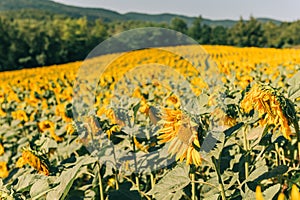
<point>158,127</point>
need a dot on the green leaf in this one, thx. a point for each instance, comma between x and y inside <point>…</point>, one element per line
<point>212,197</point>
<point>39,188</point>
<point>271,191</point>
<point>26,181</point>
<point>294,89</point>
<point>277,171</point>
<point>231,130</point>
<point>124,193</point>
<point>257,172</point>
<point>67,179</point>
<point>173,181</point>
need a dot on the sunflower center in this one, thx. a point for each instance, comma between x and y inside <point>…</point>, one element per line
<point>185,133</point>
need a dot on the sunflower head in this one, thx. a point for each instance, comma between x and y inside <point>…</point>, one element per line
<point>20,115</point>
<point>270,105</point>
<point>180,133</point>
<point>3,170</point>
<point>34,160</point>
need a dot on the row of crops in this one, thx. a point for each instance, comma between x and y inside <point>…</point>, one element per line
<point>215,122</point>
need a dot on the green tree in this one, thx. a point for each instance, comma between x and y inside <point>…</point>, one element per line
<point>249,33</point>
<point>219,35</point>
<point>195,30</point>
<point>179,25</point>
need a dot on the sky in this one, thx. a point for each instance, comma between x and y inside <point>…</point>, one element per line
<point>284,10</point>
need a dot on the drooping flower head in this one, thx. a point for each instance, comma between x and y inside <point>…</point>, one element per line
<point>180,132</point>
<point>35,161</point>
<point>267,101</point>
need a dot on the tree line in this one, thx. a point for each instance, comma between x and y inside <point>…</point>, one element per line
<point>38,41</point>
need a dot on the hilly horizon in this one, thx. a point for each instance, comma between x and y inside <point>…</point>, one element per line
<point>107,15</point>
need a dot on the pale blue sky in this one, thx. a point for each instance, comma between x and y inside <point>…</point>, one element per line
<point>286,10</point>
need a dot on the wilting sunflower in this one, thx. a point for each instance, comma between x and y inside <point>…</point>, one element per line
<point>35,161</point>
<point>180,132</point>
<point>265,100</point>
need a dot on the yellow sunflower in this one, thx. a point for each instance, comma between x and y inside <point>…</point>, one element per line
<point>258,193</point>
<point>20,115</point>
<point>34,161</point>
<point>2,150</point>
<point>295,195</point>
<point>180,132</point>
<point>3,170</point>
<point>264,100</point>
<point>49,126</point>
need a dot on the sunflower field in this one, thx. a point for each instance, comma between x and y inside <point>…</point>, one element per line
<point>155,133</point>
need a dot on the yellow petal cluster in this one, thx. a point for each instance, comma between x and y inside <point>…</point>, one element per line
<point>34,161</point>
<point>3,170</point>
<point>180,133</point>
<point>265,102</point>
<point>49,126</point>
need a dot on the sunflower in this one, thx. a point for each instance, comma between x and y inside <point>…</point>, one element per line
<point>1,149</point>
<point>70,128</point>
<point>258,193</point>
<point>295,195</point>
<point>140,146</point>
<point>114,120</point>
<point>180,132</point>
<point>28,157</point>
<point>3,170</point>
<point>49,126</point>
<point>2,113</point>
<point>20,115</point>
<point>173,100</point>
<point>265,100</point>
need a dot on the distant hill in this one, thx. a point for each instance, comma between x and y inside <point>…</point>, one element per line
<point>57,8</point>
<point>104,14</point>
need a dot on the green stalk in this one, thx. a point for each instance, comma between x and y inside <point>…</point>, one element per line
<point>295,122</point>
<point>152,182</point>
<point>221,184</point>
<point>246,146</point>
<point>277,154</point>
<point>135,164</point>
<point>117,182</point>
<point>100,182</point>
<point>193,186</point>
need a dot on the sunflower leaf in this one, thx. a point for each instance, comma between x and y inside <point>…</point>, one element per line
<point>173,181</point>
<point>228,132</point>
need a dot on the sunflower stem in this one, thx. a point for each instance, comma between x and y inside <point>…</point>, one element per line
<point>277,154</point>
<point>117,181</point>
<point>221,184</point>
<point>152,182</point>
<point>135,164</point>
<point>100,182</point>
<point>193,186</point>
<point>296,126</point>
<point>247,151</point>
<point>137,182</point>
